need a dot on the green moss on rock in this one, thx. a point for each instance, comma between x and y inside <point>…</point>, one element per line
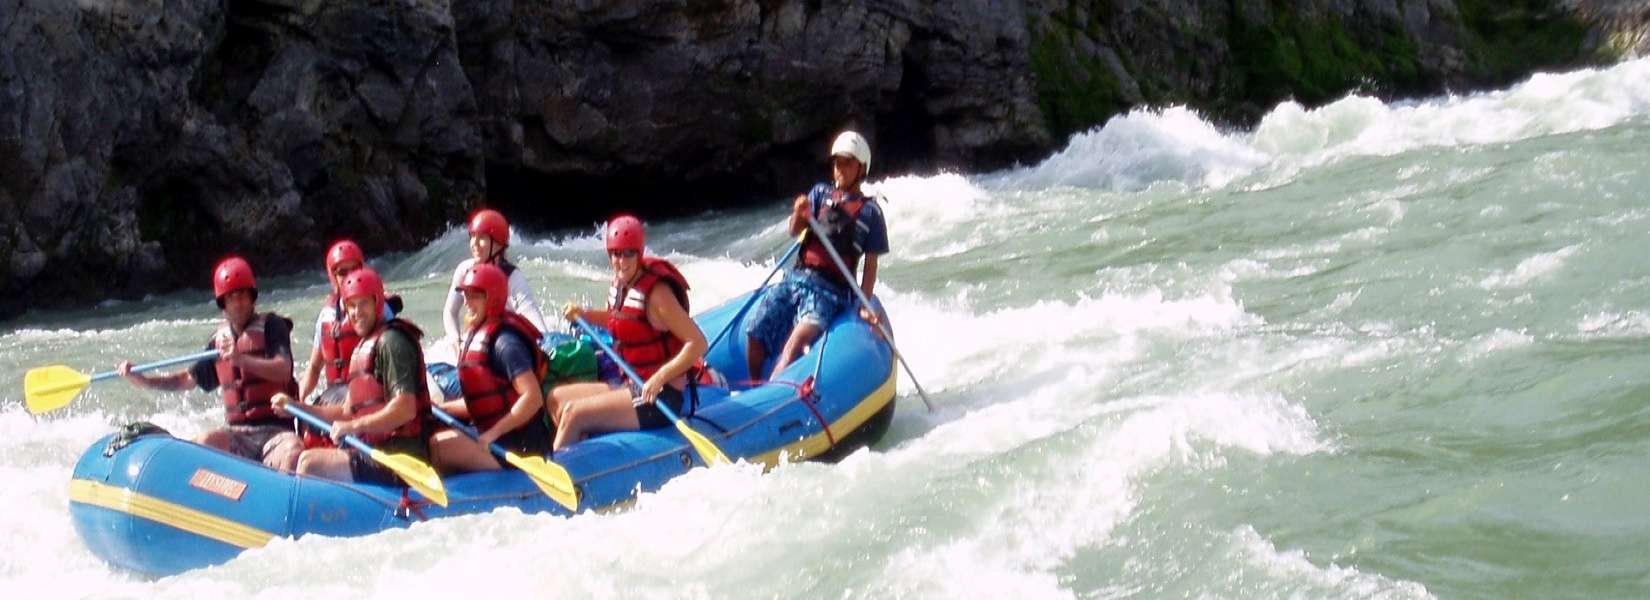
<point>1316,61</point>
<point>1514,36</point>
<point>1074,92</point>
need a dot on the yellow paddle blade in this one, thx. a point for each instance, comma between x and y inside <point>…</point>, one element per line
<point>417,474</point>
<point>713,456</point>
<point>50,388</point>
<point>551,478</point>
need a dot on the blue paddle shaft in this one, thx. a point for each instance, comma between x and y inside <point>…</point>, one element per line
<point>452,421</point>
<point>324,426</point>
<point>617,360</point>
<point>161,364</point>
<point>591,331</point>
<point>754,295</point>
<point>860,293</point>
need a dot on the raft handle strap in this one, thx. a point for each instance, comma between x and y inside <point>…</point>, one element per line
<point>408,507</point>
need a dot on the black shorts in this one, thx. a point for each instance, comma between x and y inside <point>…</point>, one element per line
<point>364,469</point>
<point>650,417</point>
<point>530,439</point>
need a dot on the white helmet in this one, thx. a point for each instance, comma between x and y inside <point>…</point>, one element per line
<point>853,145</point>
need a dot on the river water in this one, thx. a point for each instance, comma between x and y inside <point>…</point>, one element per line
<point>1388,350</point>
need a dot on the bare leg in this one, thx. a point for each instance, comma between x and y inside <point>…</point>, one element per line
<point>560,396</point>
<point>561,402</point>
<point>281,452</point>
<point>217,439</point>
<point>801,336</point>
<point>330,463</point>
<point>609,411</point>
<point>455,451</point>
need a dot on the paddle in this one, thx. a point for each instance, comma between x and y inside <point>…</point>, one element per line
<point>757,294</point>
<point>707,451</point>
<point>551,478</point>
<point>881,326</point>
<point>411,470</point>
<point>49,388</point>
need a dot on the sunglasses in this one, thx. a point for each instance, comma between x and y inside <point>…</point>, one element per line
<point>624,253</point>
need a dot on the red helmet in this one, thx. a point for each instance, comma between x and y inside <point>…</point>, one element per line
<point>491,223</point>
<point>625,232</point>
<point>490,280</point>
<point>363,282</point>
<point>344,251</point>
<point>232,274</point>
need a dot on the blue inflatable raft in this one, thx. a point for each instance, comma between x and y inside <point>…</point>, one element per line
<point>158,505</point>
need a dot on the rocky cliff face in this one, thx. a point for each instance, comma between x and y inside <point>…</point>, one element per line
<point>140,141</point>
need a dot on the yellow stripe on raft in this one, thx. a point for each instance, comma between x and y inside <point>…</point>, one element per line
<point>167,513</point>
<point>818,443</point>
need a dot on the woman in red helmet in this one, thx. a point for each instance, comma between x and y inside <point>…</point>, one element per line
<point>387,405</point>
<point>499,369</point>
<point>647,313</point>
<point>334,338</point>
<point>254,365</point>
<point>489,238</point>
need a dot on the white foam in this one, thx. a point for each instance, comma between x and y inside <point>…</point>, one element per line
<point>1294,574</point>
<point>1143,147</point>
<point>1140,148</point>
<point>1612,324</point>
<point>1034,530</point>
<point>1496,341</point>
<point>1530,269</point>
<point>1030,337</point>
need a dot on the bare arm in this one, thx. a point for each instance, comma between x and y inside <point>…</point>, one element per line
<point>456,408</point>
<point>526,409</point>
<point>799,214</point>
<point>274,368</point>
<point>312,374</point>
<point>868,275</point>
<point>175,381</point>
<point>402,407</point>
<point>595,317</point>
<point>663,308</point>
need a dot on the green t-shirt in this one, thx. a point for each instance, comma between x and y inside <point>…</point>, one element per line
<point>398,364</point>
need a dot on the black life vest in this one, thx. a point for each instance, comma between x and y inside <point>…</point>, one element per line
<point>840,220</point>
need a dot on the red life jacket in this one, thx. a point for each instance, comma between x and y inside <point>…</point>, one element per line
<point>366,388</point>
<point>840,223</point>
<point>312,437</point>
<point>645,348</point>
<point>338,341</point>
<point>488,394</point>
<point>246,395</point>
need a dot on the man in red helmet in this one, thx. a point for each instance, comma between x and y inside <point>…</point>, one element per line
<point>489,238</point>
<point>254,364</point>
<point>499,370</point>
<point>387,405</point>
<point>792,313</point>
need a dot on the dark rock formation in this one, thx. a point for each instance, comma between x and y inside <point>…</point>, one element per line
<point>140,142</point>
